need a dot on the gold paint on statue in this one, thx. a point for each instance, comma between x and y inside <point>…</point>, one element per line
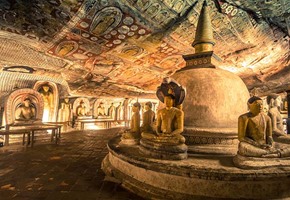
<point>25,111</point>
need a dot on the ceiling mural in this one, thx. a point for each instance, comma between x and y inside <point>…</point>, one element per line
<point>125,47</point>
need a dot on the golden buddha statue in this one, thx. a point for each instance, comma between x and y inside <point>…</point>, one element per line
<point>101,110</point>
<point>119,112</point>
<point>167,142</point>
<point>48,102</point>
<point>148,118</point>
<point>255,131</point>
<point>81,109</point>
<point>25,111</point>
<point>65,112</point>
<point>112,111</point>
<point>274,102</point>
<point>134,131</point>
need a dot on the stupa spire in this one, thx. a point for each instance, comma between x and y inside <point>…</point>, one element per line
<point>203,41</point>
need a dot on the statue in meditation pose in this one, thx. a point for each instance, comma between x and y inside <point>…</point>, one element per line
<point>255,133</point>
<point>134,131</point>
<point>101,110</point>
<point>148,118</point>
<point>169,119</point>
<point>81,109</point>
<point>274,102</point>
<point>25,111</point>
<point>167,142</point>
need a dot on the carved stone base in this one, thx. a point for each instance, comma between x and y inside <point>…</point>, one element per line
<point>163,150</point>
<point>198,177</point>
<point>129,138</point>
<point>221,141</point>
<point>260,163</point>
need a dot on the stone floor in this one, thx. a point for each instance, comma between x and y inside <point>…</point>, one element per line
<point>70,170</point>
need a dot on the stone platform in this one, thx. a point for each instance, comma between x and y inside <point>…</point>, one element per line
<point>198,177</point>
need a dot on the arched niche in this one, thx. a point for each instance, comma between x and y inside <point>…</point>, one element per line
<point>96,111</point>
<point>16,98</point>
<point>50,99</point>
<point>77,103</point>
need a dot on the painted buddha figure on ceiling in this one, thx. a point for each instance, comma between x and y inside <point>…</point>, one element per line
<point>274,102</point>
<point>26,111</point>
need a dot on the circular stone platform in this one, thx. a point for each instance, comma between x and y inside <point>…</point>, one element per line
<point>198,177</point>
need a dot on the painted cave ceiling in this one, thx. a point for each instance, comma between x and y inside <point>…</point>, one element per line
<point>125,48</point>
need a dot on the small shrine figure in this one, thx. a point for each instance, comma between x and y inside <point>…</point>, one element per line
<point>26,111</point>
<point>81,109</point>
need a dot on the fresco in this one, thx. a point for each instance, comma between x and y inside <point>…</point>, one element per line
<point>129,46</point>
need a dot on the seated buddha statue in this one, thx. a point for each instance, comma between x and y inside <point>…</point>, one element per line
<point>169,124</point>
<point>274,102</point>
<point>148,118</point>
<point>167,142</point>
<point>25,111</point>
<point>255,133</point>
<point>134,132</point>
<point>81,109</point>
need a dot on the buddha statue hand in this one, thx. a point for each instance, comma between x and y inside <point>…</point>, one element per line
<point>269,140</point>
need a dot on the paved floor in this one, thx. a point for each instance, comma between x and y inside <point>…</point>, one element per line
<point>70,170</point>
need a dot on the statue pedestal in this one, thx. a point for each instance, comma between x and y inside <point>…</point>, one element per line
<point>198,177</point>
<point>129,138</point>
<point>165,151</point>
<point>260,163</point>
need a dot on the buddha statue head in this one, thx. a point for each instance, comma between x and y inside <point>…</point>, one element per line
<point>273,100</point>
<point>255,105</point>
<point>148,106</point>
<point>171,89</point>
<point>27,102</point>
<point>66,100</point>
<point>45,88</point>
<point>136,107</point>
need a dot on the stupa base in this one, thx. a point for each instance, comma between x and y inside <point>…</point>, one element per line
<point>198,177</point>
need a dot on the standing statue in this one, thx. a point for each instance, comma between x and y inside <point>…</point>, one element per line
<point>167,142</point>
<point>119,112</point>
<point>274,102</point>
<point>47,96</point>
<point>112,111</point>
<point>65,112</point>
<point>148,118</point>
<point>81,109</point>
<point>25,111</point>
<point>132,135</point>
